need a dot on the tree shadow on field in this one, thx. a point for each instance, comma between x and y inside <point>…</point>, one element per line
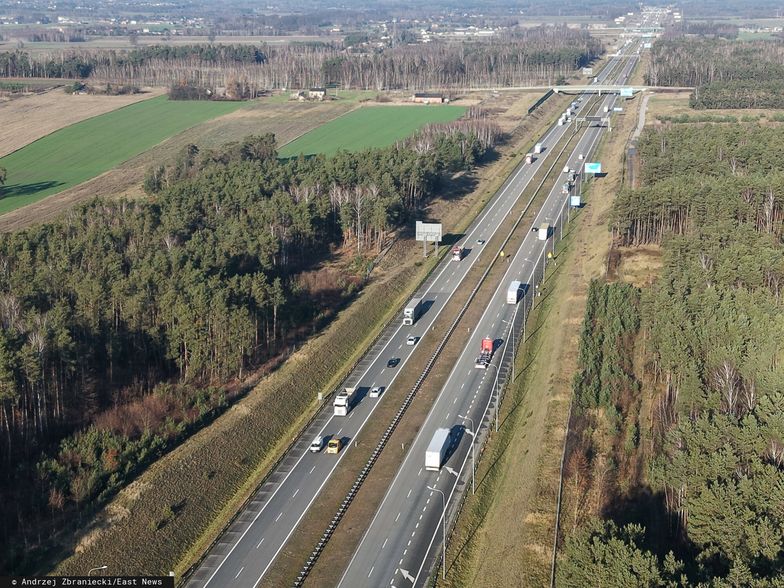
<point>27,189</point>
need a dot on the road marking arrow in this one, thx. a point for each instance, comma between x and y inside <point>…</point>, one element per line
<point>406,575</point>
<point>451,471</point>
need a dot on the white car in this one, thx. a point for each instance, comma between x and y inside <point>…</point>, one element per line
<point>317,444</point>
<point>375,392</point>
<point>581,157</point>
<point>411,340</point>
<point>566,169</point>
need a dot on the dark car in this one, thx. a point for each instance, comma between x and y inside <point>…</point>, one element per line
<point>393,362</point>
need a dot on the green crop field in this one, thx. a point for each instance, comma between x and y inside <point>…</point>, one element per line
<point>372,126</point>
<point>86,149</point>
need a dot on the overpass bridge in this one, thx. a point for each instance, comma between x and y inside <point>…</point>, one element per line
<point>589,88</point>
<point>615,89</point>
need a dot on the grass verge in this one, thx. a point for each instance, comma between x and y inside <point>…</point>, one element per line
<point>200,484</point>
<point>338,551</point>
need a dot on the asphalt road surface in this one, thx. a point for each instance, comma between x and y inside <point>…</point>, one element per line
<point>248,548</point>
<point>404,538</point>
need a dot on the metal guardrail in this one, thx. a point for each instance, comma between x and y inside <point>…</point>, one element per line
<point>189,572</point>
<point>541,100</point>
<point>504,362</point>
<point>320,546</point>
<point>507,358</point>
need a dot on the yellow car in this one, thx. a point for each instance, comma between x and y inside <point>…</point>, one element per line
<point>334,446</point>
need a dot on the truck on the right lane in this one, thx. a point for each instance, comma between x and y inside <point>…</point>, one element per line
<point>436,451</point>
<point>513,293</point>
<point>485,354</point>
<point>412,311</point>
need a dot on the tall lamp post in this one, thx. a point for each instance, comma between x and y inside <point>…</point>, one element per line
<point>443,518</point>
<point>472,432</point>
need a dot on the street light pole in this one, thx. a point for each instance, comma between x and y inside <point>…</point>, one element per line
<point>443,518</point>
<point>97,569</point>
<point>473,452</point>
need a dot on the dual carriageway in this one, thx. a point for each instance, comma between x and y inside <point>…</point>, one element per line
<point>401,544</point>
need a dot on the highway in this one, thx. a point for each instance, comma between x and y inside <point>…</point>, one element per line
<point>245,552</point>
<point>404,539</point>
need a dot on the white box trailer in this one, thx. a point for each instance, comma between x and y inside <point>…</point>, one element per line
<point>544,231</point>
<point>436,451</point>
<point>412,311</point>
<point>343,401</point>
<point>513,292</point>
<point>538,148</point>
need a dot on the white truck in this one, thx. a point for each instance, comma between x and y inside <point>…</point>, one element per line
<point>538,148</point>
<point>544,231</point>
<point>513,292</point>
<point>344,400</point>
<point>436,451</point>
<point>412,311</point>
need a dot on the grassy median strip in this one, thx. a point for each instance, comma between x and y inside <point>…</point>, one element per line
<point>338,551</point>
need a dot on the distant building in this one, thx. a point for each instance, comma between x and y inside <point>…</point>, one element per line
<point>317,93</point>
<point>428,98</point>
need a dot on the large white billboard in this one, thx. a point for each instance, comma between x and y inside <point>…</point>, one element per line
<point>428,231</point>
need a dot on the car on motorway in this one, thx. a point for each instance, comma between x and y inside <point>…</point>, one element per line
<point>412,339</point>
<point>317,444</point>
<point>566,169</point>
<point>334,446</point>
<point>480,241</point>
<point>581,157</point>
<point>393,361</point>
<point>375,391</point>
